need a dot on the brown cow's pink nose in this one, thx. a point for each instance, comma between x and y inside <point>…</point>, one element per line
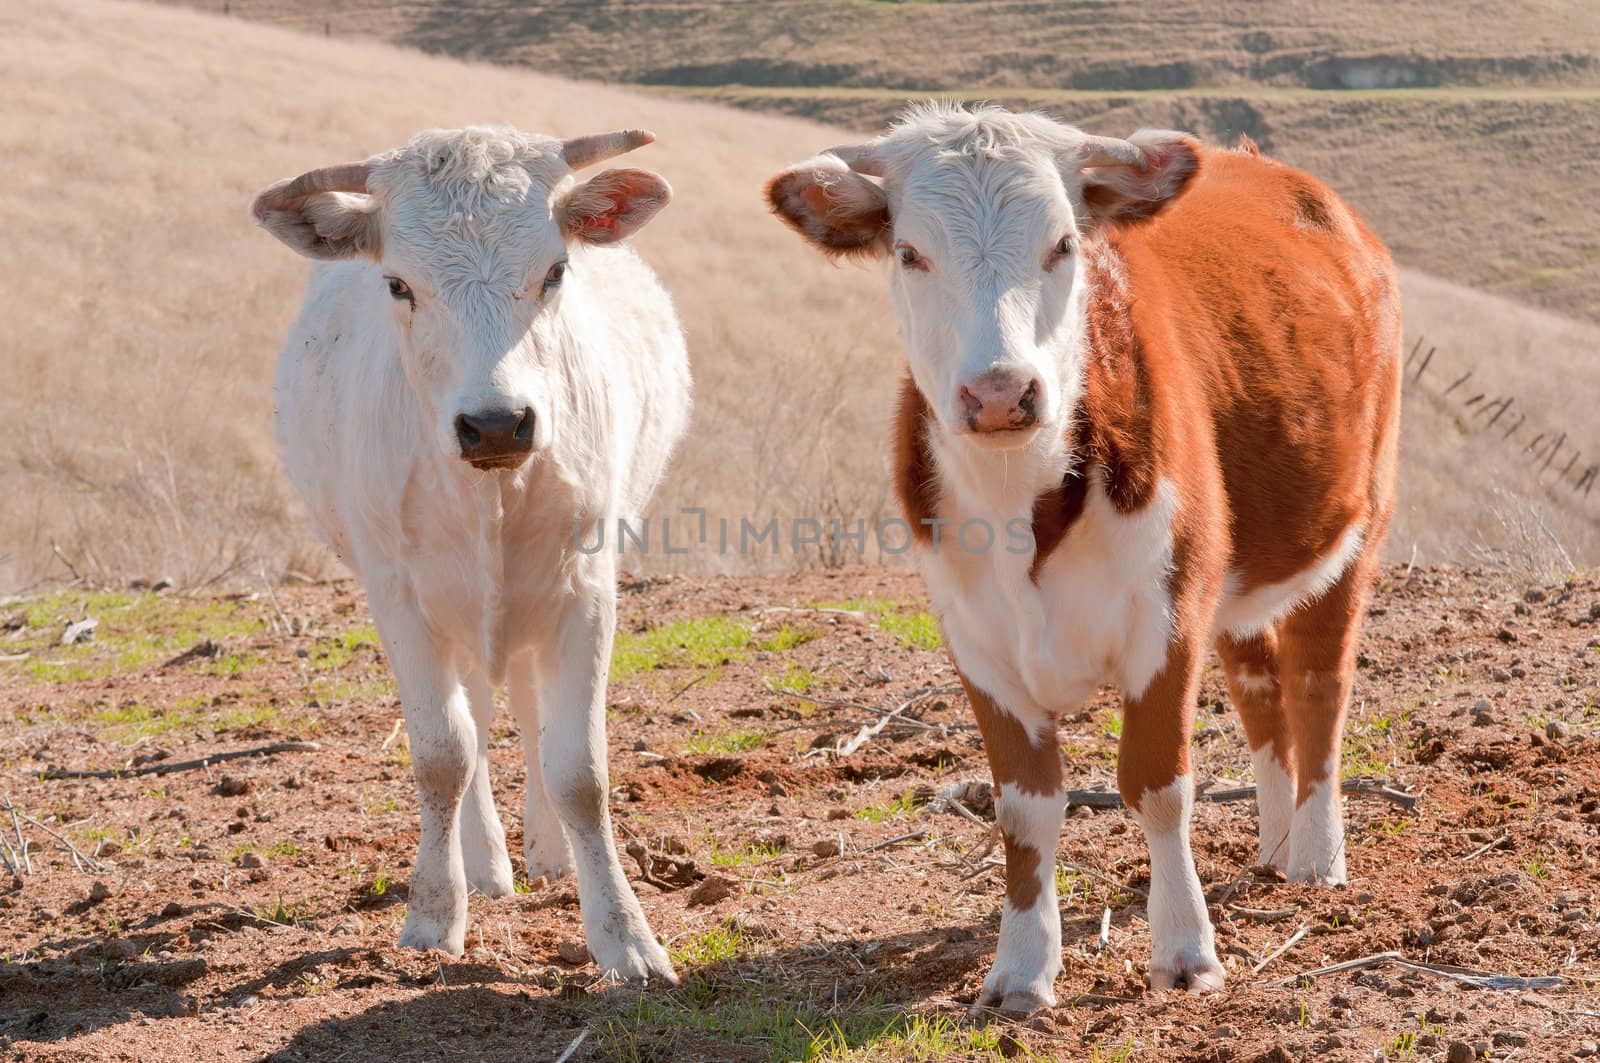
<point>1001,400</point>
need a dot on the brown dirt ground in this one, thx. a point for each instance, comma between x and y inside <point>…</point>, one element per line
<point>250,910</point>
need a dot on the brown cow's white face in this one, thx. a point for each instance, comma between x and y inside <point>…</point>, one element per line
<point>981,213</point>
<point>472,232</point>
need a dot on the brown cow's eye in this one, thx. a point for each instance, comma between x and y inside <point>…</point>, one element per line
<point>399,289</point>
<point>1062,249</point>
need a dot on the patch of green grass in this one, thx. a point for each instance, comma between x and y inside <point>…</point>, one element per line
<point>336,652</point>
<point>1111,726</point>
<point>728,742</point>
<point>783,1023</point>
<point>720,944</point>
<point>750,854</point>
<point>794,679</point>
<point>911,625</point>
<point>787,638</point>
<point>905,804</point>
<point>134,631</point>
<point>705,642</point>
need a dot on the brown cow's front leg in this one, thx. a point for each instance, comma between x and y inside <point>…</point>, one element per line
<point>1153,774</point>
<point>1029,804</point>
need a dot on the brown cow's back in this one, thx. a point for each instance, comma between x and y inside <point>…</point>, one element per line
<point>1268,317</point>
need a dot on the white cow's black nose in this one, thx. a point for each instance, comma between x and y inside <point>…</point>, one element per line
<point>495,439</point>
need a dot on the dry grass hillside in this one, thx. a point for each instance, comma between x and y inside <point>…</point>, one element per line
<point>1461,133</point>
<point>147,312</point>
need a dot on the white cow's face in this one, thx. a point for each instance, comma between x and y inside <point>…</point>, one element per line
<point>980,213</point>
<point>473,233</point>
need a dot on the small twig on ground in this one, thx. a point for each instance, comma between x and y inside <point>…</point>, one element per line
<point>1107,879</point>
<point>1486,846</point>
<point>22,843</point>
<point>1281,949</point>
<point>77,857</point>
<point>1105,929</point>
<point>963,811</point>
<point>273,598</point>
<point>915,835</point>
<point>573,1047</point>
<point>872,730</point>
<point>54,549</point>
<point>1481,979</point>
<point>853,614</point>
<point>168,767</point>
<point>676,694</point>
<point>1356,787</point>
<point>394,733</point>
<point>1264,915</point>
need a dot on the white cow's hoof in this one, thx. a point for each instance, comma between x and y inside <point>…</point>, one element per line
<point>1195,968</point>
<point>426,934</point>
<point>641,959</point>
<point>493,880</point>
<point>1018,992</point>
<point>548,858</point>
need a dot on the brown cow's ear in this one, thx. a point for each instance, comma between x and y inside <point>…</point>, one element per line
<point>1117,189</point>
<point>323,214</point>
<point>832,206</point>
<point>613,205</point>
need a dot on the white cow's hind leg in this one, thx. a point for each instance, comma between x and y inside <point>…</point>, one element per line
<point>443,746</point>
<point>483,838</point>
<point>544,841</point>
<point>572,751</point>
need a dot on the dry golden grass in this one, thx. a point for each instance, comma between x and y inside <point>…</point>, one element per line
<point>147,313</point>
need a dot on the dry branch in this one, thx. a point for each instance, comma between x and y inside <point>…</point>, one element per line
<point>1481,979</point>
<point>1355,787</point>
<point>165,768</point>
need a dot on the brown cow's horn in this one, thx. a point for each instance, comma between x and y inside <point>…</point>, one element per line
<point>1110,151</point>
<point>859,157</point>
<point>598,147</point>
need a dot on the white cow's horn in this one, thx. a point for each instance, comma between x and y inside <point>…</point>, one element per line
<point>598,147</point>
<point>351,177</point>
<point>860,158</point>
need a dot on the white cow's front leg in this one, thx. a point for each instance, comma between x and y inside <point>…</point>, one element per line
<point>443,742</point>
<point>483,837</point>
<point>572,751</point>
<point>544,841</point>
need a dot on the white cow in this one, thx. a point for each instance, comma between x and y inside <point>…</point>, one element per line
<point>481,376</point>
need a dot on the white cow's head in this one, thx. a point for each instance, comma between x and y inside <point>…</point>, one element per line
<point>983,211</point>
<point>471,231</point>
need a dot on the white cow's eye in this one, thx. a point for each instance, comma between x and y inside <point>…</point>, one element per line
<point>399,289</point>
<point>910,257</point>
<point>552,280</point>
<point>1062,249</point>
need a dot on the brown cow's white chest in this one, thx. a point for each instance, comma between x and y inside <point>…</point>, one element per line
<point>1098,611</point>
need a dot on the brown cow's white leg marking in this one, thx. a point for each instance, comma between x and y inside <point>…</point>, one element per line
<point>1028,956</point>
<point>545,848</point>
<point>1153,774</point>
<point>1183,945</point>
<point>1317,648</point>
<point>1251,665</point>
<point>483,837</point>
<point>1029,807</point>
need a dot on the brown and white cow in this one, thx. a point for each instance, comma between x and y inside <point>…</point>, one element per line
<point>1175,368</point>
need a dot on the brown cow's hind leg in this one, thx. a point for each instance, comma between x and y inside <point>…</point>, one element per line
<point>1251,665</point>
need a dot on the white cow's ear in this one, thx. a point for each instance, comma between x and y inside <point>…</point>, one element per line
<point>323,214</point>
<point>613,205</point>
<point>832,206</point>
<point>1117,188</point>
